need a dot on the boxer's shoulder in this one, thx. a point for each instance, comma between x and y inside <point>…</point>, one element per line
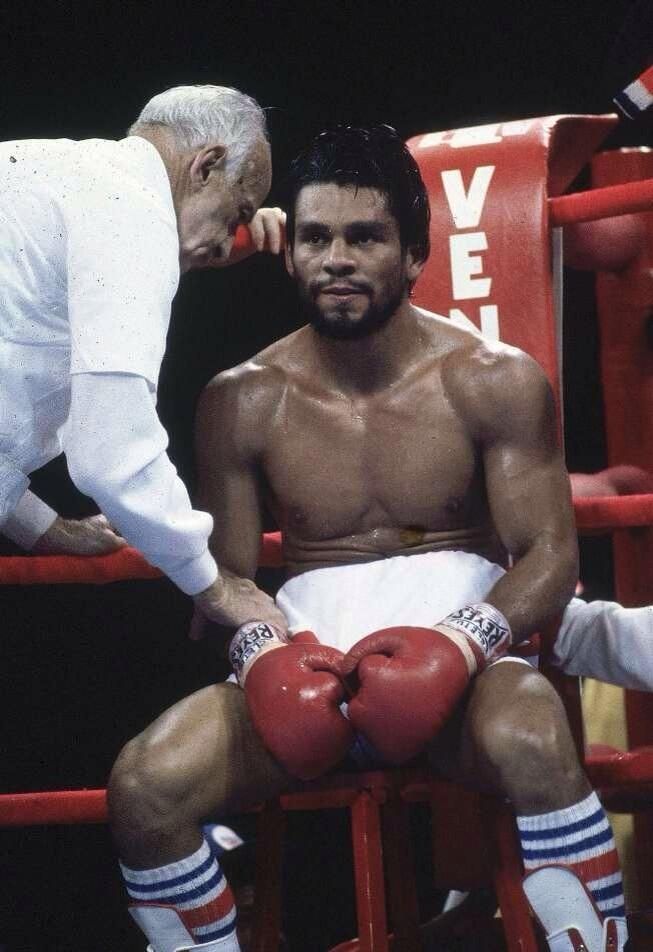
<point>494,385</point>
<point>248,391</point>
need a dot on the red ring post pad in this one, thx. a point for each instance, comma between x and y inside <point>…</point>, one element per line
<point>53,808</point>
<point>119,566</point>
<point>490,189</point>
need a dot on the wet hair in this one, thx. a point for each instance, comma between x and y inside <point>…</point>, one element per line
<point>373,157</point>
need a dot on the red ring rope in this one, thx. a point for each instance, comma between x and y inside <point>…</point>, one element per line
<point>119,566</point>
<point>606,513</point>
<point>605,202</point>
<point>54,808</point>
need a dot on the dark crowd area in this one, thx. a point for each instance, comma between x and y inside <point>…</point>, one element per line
<point>85,668</point>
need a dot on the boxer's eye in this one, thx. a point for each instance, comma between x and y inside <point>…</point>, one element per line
<point>314,238</point>
<point>365,235</point>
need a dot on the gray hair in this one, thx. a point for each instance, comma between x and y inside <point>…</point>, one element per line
<point>198,115</point>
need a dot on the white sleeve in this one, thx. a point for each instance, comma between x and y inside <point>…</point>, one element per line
<point>13,483</point>
<point>116,452</point>
<point>28,521</point>
<point>122,269</point>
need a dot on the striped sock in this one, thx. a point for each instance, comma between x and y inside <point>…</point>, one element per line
<point>579,837</point>
<point>196,888</point>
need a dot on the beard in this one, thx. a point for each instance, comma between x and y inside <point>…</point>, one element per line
<point>338,323</point>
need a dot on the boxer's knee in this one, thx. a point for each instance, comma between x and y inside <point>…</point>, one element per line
<point>518,739</point>
<point>166,780</point>
<point>148,795</point>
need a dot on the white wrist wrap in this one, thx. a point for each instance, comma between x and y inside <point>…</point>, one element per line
<point>484,626</point>
<point>251,639</point>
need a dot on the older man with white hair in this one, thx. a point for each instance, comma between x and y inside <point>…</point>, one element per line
<point>95,235</point>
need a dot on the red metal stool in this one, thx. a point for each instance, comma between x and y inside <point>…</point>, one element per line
<point>474,843</point>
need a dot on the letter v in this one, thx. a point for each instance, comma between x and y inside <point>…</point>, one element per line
<point>467,207</point>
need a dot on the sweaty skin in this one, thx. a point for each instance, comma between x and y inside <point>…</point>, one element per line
<point>458,451</point>
<point>418,436</point>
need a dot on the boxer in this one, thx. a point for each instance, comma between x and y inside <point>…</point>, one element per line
<point>407,462</point>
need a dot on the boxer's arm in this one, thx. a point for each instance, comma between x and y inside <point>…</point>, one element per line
<point>528,489</point>
<point>229,436</point>
<point>226,448</point>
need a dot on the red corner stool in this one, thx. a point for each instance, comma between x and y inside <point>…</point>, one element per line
<point>474,844</point>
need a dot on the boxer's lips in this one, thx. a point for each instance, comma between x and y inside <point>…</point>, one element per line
<point>341,290</point>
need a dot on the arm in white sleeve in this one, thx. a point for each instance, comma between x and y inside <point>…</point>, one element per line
<point>30,519</point>
<point>116,452</point>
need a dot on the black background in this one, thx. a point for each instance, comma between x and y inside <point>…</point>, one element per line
<point>83,669</point>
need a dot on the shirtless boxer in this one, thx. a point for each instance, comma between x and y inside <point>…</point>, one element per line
<point>406,460</point>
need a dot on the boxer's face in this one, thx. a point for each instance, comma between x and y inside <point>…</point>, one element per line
<point>351,271</point>
<point>217,202</point>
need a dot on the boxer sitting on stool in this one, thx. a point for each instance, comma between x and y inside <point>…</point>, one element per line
<point>406,460</point>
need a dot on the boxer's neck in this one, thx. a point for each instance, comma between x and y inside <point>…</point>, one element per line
<point>374,362</point>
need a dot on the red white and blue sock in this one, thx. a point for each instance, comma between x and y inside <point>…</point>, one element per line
<point>579,837</point>
<point>196,888</point>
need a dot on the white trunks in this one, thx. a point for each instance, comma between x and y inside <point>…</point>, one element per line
<point>344,603</point>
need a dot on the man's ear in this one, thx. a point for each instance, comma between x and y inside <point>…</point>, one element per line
<point>414,265</point>
<point>208,159</point>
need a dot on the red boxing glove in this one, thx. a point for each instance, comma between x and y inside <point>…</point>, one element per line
<point>411,679</point>
<point>293,694</point>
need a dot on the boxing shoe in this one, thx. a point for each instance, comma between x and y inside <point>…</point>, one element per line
<point>164,928</point>
<point>567,914</point>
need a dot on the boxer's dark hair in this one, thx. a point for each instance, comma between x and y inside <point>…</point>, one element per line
<point>373,157</point>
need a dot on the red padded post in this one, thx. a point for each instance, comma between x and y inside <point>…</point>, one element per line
<point>490,263</point>
<point>625,308</point>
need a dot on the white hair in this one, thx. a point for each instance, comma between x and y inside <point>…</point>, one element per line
<point>198,115</point>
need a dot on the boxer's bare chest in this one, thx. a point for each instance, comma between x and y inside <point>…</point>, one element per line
<point>397,461</point>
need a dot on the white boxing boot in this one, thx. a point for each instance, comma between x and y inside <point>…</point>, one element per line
<point>567,913</point>
<point>167,933</point>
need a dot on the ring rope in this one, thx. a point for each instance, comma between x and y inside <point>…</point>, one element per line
<point>607,202</point>
<point>123,565</point>
<point>53,808</point>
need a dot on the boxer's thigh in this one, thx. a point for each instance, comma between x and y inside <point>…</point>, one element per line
<point>204,755</point>
<point>511,717</point>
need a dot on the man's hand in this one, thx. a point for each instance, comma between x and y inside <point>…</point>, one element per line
<point>267,233</point>
<point>232,601</point>
<point>267,229</point>
<point>91,536</point>
<point>293,693</point>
